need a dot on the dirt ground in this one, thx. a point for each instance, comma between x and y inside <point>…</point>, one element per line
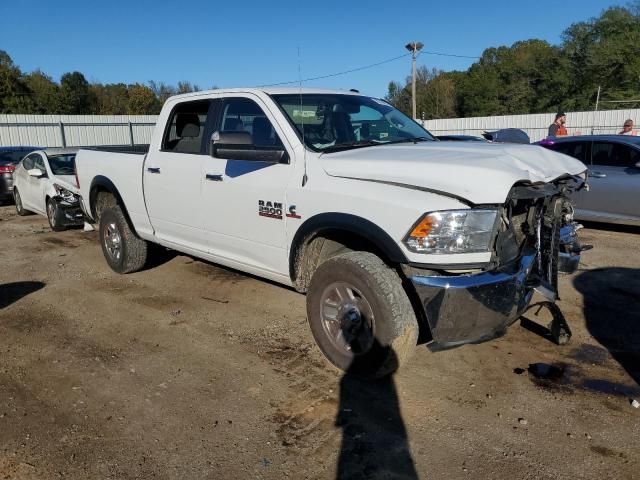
<point>191,371</point>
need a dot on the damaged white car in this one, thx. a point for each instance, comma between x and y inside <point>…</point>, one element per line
<point>45,183</point>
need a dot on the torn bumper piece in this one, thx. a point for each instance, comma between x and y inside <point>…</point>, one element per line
<point>71,213</point>
<point>477,307</point>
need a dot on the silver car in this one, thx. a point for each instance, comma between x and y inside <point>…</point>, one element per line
<point>614,176</point>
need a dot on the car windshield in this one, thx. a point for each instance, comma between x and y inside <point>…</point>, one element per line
<point>334,122</point>
<point>62,164</point>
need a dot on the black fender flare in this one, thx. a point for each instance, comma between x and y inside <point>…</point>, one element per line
<point>348,223</point>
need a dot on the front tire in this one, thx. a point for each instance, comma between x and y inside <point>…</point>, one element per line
<point>124,251</point>
<point>18,201</point>
<point>55,216</point>
<point>360,315</point>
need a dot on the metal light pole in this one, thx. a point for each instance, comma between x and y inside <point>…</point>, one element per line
<point>413,47</point>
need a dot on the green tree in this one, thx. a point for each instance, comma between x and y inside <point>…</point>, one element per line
<point>604,52</point>
<point>142,100</point>
<point>109,99</point>
<point>75,96</point>
<point>15,96</point>
<point>45,93</point>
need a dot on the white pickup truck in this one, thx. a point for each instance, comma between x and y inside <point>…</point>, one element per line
<point>390,233</point>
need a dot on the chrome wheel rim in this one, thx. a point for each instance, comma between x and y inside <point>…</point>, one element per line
<point>112,241</point>
<point>347,318</point>
<point>51,211</point>
<point>18,200</point>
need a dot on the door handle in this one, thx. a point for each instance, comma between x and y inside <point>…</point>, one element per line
<point>153,169</point>
<point>214,177</point>
<point>597,174</point>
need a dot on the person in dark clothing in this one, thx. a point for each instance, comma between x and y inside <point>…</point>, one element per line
<point>557,128</point>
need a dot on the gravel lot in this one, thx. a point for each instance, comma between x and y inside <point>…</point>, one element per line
<point>191,371</point>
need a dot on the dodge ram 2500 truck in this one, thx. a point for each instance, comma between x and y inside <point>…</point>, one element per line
<point>389,232</point>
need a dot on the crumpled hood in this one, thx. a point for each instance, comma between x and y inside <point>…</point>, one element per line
<point>66,181</point>
<point>478,173</point>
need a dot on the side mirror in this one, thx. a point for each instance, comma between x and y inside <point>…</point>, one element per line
<point>239,146</point>
<point>638,165</point>
<point>35,172</point>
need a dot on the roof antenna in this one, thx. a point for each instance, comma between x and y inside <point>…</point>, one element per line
<point>304,146</point>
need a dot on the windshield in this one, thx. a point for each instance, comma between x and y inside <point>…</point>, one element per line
<point>333,122</point>
<point>62,164</point>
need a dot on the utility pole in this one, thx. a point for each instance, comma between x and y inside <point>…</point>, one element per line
<point>595,112</point>
<point>413,47</point>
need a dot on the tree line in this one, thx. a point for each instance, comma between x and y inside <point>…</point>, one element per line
<point>534,76</point>
<point>37,93</point>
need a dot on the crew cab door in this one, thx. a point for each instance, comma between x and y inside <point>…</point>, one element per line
<point>244,200</point>
<point>173,177</point>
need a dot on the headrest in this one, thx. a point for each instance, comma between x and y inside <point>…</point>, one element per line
<point>232,124</point>
<point>187,125</point>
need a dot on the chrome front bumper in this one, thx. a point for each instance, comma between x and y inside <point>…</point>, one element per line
<point>475,308</point>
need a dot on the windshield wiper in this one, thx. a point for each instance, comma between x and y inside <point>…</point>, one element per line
<point>412,140</point>
<point>349,145</point>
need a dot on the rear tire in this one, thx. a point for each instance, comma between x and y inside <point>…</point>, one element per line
<point>360,315</point>
<point>18,201</point>
<point>55,216</point>
<point>104,201</point>
<point>124,251</point>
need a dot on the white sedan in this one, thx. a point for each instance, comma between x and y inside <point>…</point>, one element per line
<point>45,183</point>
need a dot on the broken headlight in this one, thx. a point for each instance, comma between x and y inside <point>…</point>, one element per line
<point>453,231</point>
<point>66,195</point>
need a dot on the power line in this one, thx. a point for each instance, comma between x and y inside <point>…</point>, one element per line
<point>337,73</point>
<point>448,54</point>
<point>365,67</point>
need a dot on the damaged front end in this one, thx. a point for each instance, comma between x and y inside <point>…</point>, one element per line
<point>68,207</point>
<point>536,238</point>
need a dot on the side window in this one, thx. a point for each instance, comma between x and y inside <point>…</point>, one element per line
<point>244,115</point>
<point>611,154</point>
<point>28,162</point>
<point>601,153</point>
<point>576,150</point>
<point>185,130</point>
<point>625,156</point>
<point>39,163</point>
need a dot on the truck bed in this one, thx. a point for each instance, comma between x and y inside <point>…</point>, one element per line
<point>97,167</point>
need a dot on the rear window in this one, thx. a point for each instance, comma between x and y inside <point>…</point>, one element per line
<point>12,157</point>
<point>62,164</point>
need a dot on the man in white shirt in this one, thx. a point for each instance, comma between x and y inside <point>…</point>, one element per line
<point>627,128</point>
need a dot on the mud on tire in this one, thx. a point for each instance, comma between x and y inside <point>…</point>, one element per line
<point>124,251</point>
<point>362,293</point>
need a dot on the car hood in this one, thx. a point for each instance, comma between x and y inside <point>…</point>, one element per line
<point>477,173</point>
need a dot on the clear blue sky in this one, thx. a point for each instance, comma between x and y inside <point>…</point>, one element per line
<point>247,43</point>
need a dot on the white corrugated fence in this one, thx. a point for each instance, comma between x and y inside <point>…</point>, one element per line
<point>75,130</point>
<point>536,125</point>
<point>87,130</point>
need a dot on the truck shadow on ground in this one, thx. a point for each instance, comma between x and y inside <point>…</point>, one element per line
<point>374,436</point>
<point>12,292</point>
<point>611,299</point>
